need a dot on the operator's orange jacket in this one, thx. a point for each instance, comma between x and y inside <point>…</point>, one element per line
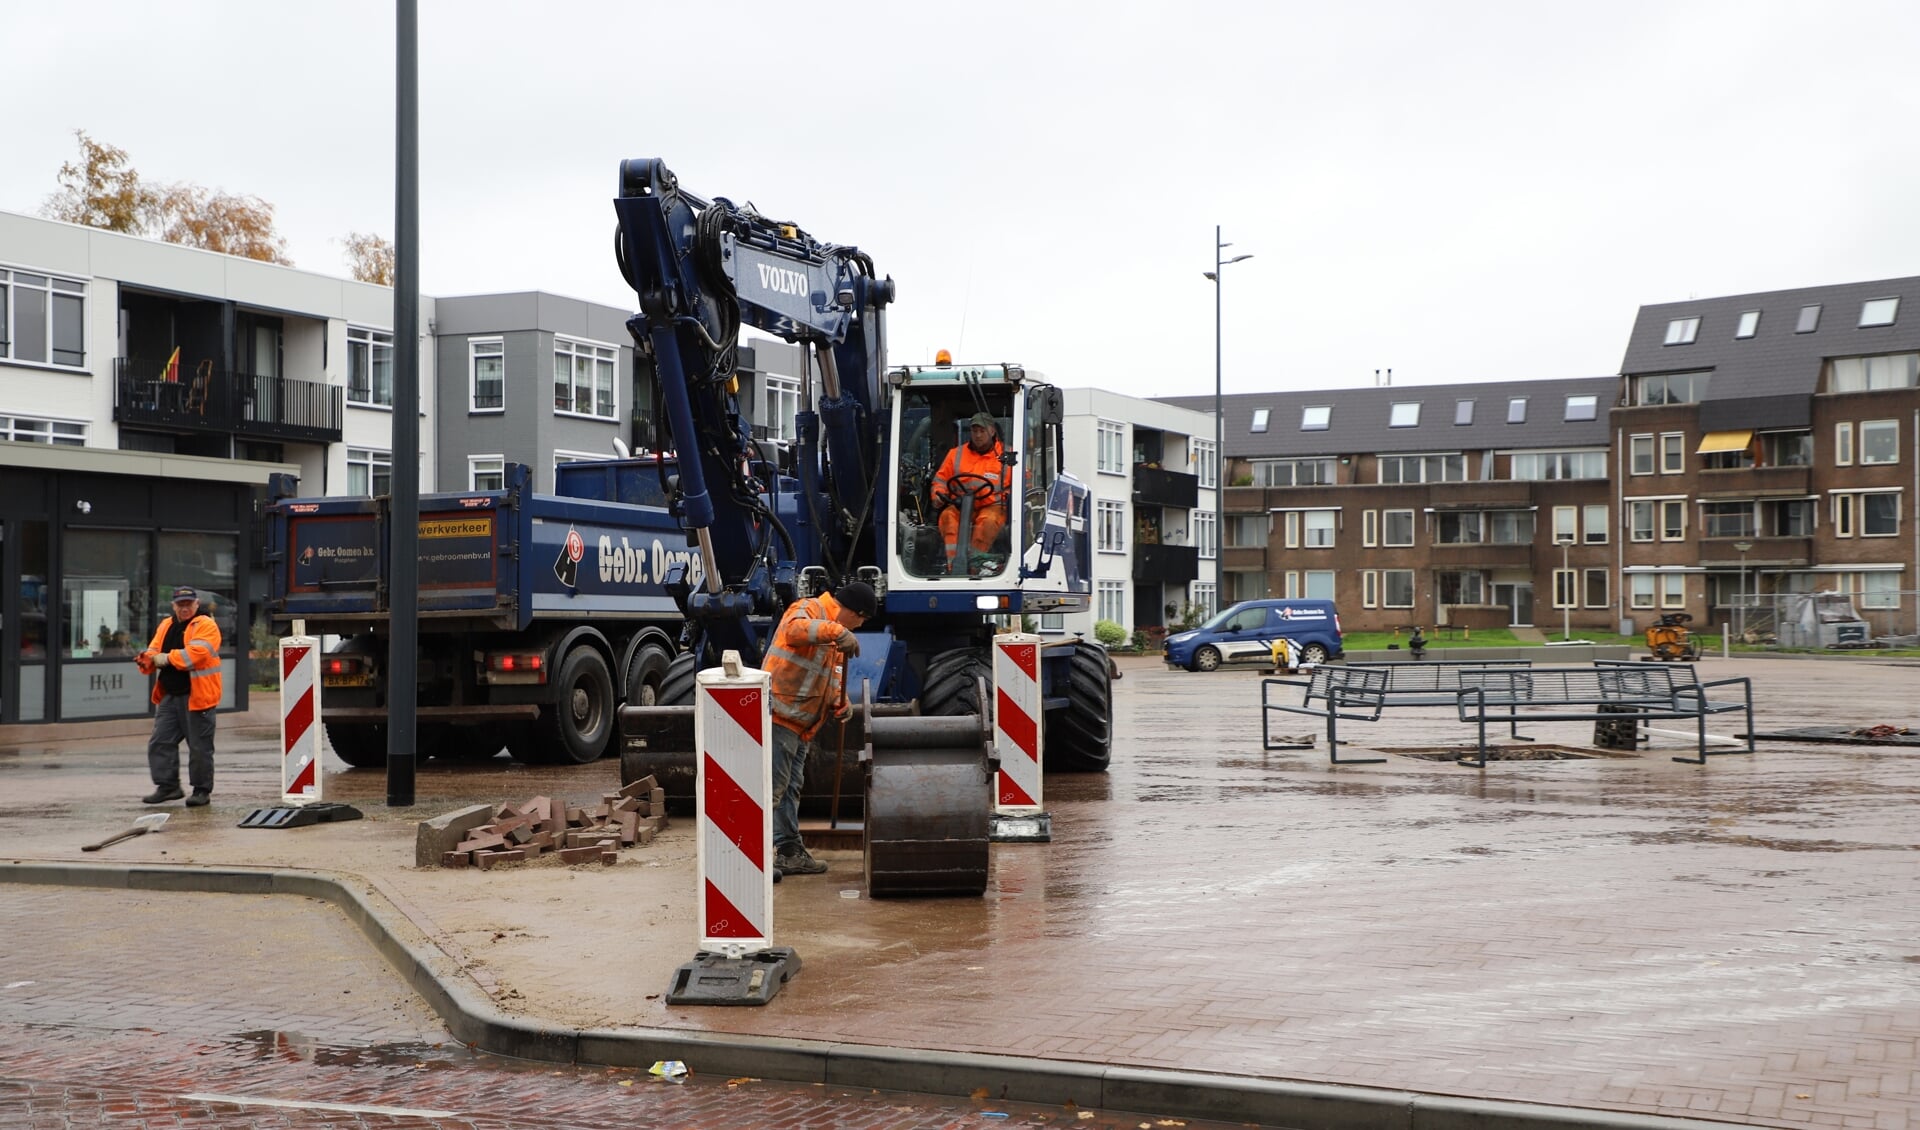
<point>199,657</point>
<point>964,460</point>
<point>806,666</point>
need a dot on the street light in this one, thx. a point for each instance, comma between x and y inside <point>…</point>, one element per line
<point>1566,597</point>
<point>1741,604</point>
<point>1219,429</point>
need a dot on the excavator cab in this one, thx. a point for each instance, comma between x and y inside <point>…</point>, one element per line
<point>958,476</point>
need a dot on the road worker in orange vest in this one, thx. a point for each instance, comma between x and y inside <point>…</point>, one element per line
<point>973,468</point>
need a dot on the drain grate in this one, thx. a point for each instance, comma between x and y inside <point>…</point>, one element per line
<point>1527,752</point>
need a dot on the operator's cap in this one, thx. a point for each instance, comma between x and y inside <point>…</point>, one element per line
<point>857,596</point>
<point>983,420</point>
<point>186,592</point>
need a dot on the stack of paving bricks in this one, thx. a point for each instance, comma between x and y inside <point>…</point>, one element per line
<point>543,826</point>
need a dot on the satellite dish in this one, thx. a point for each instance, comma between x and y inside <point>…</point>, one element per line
<point>620,447</point>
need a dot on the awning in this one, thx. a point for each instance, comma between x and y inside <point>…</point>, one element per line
<point>1723,441</point>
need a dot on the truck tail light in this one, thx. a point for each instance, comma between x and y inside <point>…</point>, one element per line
<point>346,665</point>
<point>517,666</point>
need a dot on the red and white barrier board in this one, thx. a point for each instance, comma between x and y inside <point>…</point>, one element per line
<point>300,776</point>
<point>733,733</point>
<point>1017,723</point>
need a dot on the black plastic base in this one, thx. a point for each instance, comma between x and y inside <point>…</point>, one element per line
<point>712,978</point>
<point>300,816</point>
<point>1031,828</point>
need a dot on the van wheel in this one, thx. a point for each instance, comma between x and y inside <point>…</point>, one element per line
<point>1207,659</point>
<point>1313,653</point>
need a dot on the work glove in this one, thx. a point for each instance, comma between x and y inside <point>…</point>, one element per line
<point>843,712</point>
<point>940,500</point>
<point>846,644</point>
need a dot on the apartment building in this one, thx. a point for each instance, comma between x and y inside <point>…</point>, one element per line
<point>1152,472</point>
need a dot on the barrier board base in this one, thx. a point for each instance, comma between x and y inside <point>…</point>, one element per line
<point>712,978</point>
<point>1031,828</point>
<point>300,816</point>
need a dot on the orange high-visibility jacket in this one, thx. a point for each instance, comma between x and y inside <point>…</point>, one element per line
<point>199,657</point>
<point>964,460</point>
<point>806,666</point>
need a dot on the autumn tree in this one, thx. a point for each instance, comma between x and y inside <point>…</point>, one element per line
<point>370,258</point>
<point>102,191</point>
<point>220,221</point>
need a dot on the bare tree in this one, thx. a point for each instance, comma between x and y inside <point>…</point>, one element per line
<point>370,258</point>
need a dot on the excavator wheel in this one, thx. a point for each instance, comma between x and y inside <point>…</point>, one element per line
<point>1079,738</point>
<point>952,683</point>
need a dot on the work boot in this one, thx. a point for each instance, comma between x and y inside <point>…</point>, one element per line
<point>199,799</point>
<point>161,794</point>
<point>798,862</point>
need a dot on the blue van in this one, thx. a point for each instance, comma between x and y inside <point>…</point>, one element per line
<point>1244,634</point>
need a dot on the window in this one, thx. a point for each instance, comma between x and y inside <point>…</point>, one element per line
<point>1786,449</point>
<point>1640,521</point>
<point>1319,528</point>
<point>1052,622</point>
<point>1462,412</point>
<point>1670,388</point>
<point>1879,590</point>
<point>1405,415</point>
<point>1595,588</point>
<point>43,319</point>
<point>1292,590</point>
<point>1640,455</point>
<point>1369,589</point>
<point>1582,407</point>
<point>1879,311</point>
<point>1788,518</point>
<point>1682,331</point>
<point>1843,515</point>
<point>1260,416</point>
<point>1673,520</point>
<point>1461,588</point>
<point>369,472</point>
<point>1248,529</point>
<point>1593,523</point>
<point>1517,410</point>
<point>1879,515</point>
<point>1510,527</point>
<point>1396,527</point>
<point>1459,528</point>
<point>1564,582</point>
<point>1111,603</point>
<point>1246,586</point>
<point>782,407</point>
<point>1809,320</point>
<point>1316,418</point>
<point>1319,584</point>
<point>1641,590</point>
<point>486,472</point>
<point>486,374</point>
<point>26,429</point>
<point>1110,452</point>
<point>1399,588</point>
<point>369,367</point>
<point>1292,472</point>
<point>1203,598</point>
<point>1112,525</point>
<point>1549,465</point>
<point>583,378</point>
<point>1879,441</point>
<point>1206,459</point>
<point>1673,453</point>
<point>1565,524</point>
<point>1369,528</point>
<point>1673,590</point>
<point>1843,445</point>
<point>1749,324</point>
<point>1864,374</point>
<point>1423,468</point>
<point>1727,520</point>
<point>1206,536</point>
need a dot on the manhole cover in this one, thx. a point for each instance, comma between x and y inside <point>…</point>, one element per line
<point>1526,752</point>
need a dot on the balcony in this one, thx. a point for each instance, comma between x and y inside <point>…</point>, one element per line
<point>1755,482</point>
<point>1166,564</point>
<point>1244,557</point>
<point>1484,555</point>
<point>1156,486</point>
<point>1773,552</point>
<point>227,403</point>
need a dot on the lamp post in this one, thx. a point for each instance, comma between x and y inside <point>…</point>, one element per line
<point>1741,602</point>
<point>1219,429</point>
<point>1566,598</point>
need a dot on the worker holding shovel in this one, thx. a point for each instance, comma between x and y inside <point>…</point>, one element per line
<point>186,653</point>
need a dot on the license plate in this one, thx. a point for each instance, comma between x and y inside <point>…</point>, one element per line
<point>346,680</point>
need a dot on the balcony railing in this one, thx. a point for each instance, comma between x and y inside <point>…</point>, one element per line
<point>228,403</point>
<point>1753,482</point>
<point>1166,564</point>
<point>1157,486</point>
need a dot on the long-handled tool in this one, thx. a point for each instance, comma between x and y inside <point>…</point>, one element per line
<point>833,813</point>
<point>151,822</point>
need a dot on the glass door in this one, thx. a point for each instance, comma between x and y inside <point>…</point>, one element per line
<point>1517,599</point>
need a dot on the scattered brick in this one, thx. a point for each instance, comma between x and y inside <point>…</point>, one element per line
<point>577,834</point>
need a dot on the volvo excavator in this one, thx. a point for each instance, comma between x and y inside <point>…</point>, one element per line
<point>852,498</point>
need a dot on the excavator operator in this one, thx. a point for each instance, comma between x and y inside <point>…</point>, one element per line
<point>973,468</point>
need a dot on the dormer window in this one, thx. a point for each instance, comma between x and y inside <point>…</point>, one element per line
<point>1682,331</point>
<point>1517,410</point>
<point>1405,416</point>
<point>1463,412</point>
<point>1582,407</point>
<point>1749,324</point>
<point>1259,420</point>
<point>1809,320</point>
<point>1879,311</point>
<point>1316,418</point>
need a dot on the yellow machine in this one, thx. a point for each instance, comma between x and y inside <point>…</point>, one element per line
<point>1669,639</point>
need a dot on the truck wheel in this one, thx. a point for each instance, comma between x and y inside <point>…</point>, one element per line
<point>1079,738</point>
<point>647,675</point>
<point>951,686</point>
<point>575,730</point>
<point>362,745</point>
<point>676,686</point>
<point>1206,659</point>
<point>1313,653</point>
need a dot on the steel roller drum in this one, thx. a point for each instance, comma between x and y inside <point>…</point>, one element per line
<point>929,797</point>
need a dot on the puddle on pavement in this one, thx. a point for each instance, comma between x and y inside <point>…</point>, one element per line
<point>1704,836</point>
<point>295,1047</point>
<point>1529,752</point>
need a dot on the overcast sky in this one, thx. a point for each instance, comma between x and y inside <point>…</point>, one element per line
<point>1457,191</point>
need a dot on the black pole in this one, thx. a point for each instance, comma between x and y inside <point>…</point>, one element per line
<point>404,569</point>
